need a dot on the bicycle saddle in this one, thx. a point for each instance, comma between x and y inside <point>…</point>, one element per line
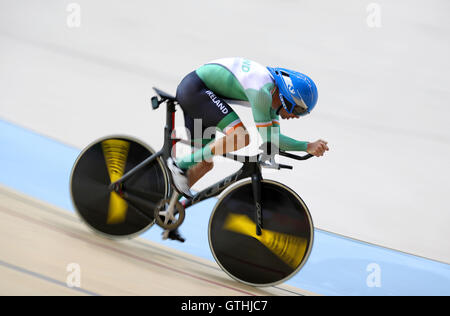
<point>164,95</point>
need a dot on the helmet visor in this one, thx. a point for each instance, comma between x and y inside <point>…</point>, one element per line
<point>300,107</point>
<point>299,111</point>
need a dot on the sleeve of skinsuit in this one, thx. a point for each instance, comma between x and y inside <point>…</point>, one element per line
<point>268,124</point>
<point>285,142</point>
<point>261,101</point>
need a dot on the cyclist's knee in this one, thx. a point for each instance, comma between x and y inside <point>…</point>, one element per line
<point>204,166</point>
<point>241,138</point>
<point>208,165</point>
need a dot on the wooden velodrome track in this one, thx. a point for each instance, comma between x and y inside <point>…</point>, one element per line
<point>38,242</point>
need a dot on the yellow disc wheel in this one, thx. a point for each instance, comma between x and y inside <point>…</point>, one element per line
<point>117,214</point>
<point>283,246</point>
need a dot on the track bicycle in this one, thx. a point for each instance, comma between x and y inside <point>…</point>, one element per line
<point>260,231</point>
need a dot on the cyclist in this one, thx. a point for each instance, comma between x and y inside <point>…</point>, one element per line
<point>271,92</point>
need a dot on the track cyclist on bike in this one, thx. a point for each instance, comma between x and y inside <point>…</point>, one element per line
<point>271,92</point>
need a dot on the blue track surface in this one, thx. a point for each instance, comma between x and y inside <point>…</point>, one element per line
<point>40,167</point>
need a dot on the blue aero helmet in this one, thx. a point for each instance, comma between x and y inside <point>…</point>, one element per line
<point>296,90</point>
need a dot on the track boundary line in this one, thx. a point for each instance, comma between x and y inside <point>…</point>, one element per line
<point>48,208</point>
<point>44,277</point>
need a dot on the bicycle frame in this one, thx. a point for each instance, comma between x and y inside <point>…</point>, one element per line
<point>250,169</point>
<point>164,152</point>
<point>251,165</point>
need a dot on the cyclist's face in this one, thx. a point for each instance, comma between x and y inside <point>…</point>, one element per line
<point>286,116</point>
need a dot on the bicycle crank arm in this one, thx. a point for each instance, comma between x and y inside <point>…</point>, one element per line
<point>169,214</point>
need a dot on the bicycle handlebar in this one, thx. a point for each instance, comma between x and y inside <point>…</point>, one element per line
<point>252,158</point>
<point>268,160</point>
<point>289,155</point>
<point>285,154</point>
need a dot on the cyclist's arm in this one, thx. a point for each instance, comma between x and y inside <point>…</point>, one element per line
<point>286,143</point>
<point>267,122</point>
<point>290,144</point>
<point>261,101</point>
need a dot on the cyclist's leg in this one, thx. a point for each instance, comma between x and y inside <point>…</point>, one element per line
<point>198,102</point>
<point>197,171</point>
<point>201,138</point>
<point>234,140</point>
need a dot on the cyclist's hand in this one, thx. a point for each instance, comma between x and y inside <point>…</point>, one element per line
<point>317,148</point>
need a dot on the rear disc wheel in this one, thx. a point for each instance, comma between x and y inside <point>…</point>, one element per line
<point>109,213</point>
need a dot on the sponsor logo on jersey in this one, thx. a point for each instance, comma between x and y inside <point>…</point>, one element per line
<point>217,102</point>
<point>246,65</point>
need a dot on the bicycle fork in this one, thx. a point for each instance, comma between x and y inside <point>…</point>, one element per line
<point>256,186</point>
